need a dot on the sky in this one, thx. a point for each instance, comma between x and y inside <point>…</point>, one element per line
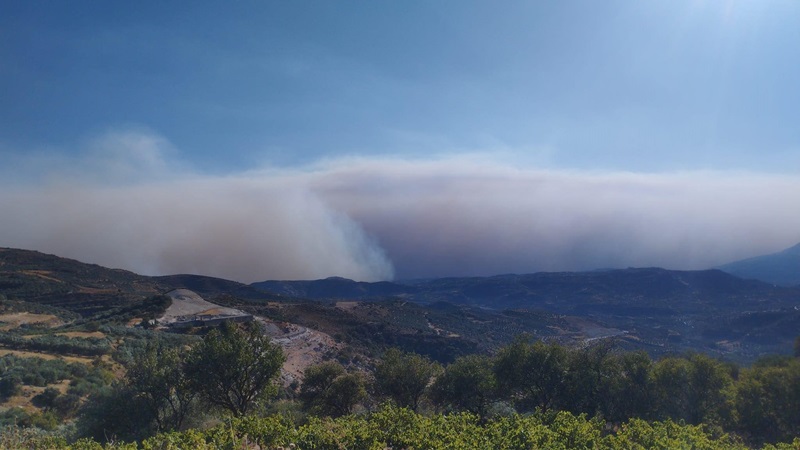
<point>382,140</point>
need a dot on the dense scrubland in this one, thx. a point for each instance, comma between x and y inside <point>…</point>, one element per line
<point>221,390</point>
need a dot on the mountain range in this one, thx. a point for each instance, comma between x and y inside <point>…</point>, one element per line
<point>653,309</point>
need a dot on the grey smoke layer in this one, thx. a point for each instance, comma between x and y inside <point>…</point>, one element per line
<point>373,219</point>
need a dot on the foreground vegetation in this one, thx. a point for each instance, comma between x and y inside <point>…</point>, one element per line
<point>221,391</point>
<point>400,428</point>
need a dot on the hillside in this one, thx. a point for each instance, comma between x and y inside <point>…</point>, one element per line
<point>211,287</point>
<point>654,309</point>
<point>70,285</point>
<point>781,268</point>
<point>88,289</point>
<point>651,308</point>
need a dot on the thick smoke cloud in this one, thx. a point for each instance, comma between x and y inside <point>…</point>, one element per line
<point>452,218</point>
<point>126,204</point>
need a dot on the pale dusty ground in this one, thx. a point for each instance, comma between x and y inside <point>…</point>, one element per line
<point>441,332</point>
<point>188,303</point>
<point>347,306</point>
<point>302,346</point>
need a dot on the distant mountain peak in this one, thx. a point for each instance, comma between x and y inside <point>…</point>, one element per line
<point>793,250</point>
<point>781,268</point>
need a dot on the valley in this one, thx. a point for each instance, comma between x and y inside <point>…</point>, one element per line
<point>656,310</point>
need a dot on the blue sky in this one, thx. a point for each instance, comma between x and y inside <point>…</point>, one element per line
<point>642,86</point>
<point>660,92</point>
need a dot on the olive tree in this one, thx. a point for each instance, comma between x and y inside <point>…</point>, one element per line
<point>404,377</point>
<point>234,367</point>
<point>155,375</point>
<point>468,384</point>
<point>328,389</point>
<point>532,374</point>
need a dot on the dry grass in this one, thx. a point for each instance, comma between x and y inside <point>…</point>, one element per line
<point>82,334</point>
<point>71,334</point>
<point>92,290</point>
<point>14,320</point>
<point>44,274</point>
<point>47,356</point>
<point>23,399</point>
<point>62,387</point>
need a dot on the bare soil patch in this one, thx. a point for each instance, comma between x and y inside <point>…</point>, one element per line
<point>186,303</point>
<point>302,346</point>
<point>347,306</point>
<point>44,274</point>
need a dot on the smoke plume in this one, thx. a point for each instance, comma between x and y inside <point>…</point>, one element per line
<point>128,203</point>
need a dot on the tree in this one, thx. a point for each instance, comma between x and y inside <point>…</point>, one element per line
<point>467,384</point>
<point>115,413</point>
<point>344,394</point>
<point>404,377</point>
<point>532,375</point>
<point>711,382</point>
<point>9,385</point>
<point>318,379</point>
<point>588,378</point>
<point>46,399</point>
<point>691,388</point>
<point>797,347</point>
<point>154,396</point>
<point>629,392</point>
<point>328,390</point>
<point>671,381</point>
<point>234,367</point>
<point>767,402</point>
<point>156,376</point>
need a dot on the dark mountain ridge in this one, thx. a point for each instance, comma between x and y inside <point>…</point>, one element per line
<point>781,268</point>
<point>562,291</point>
<point>335,288</point>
